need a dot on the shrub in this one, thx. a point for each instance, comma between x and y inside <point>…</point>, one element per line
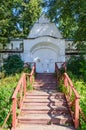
<point>26,70</point>
<point>77,65</point>
<point>13,64</point>
<point>2,75</point>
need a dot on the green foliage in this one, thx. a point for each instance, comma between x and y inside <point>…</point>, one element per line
<point>7,86</point>
<point>30,85</point>
<point>13,64</point>
<point>27,70</point>
<point>82,124</point>
<point>77,67</point>
<point>70,16</point>
<point>62,70</point>
<point>80,86</point>
<point>17,18</point>
<point>2,75</point>
<point>77,71</point>
<point>62,87</point>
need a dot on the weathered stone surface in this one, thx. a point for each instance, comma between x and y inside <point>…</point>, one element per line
<point>44,109</point>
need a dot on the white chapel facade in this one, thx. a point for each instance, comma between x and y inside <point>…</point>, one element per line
<point>44,45</point>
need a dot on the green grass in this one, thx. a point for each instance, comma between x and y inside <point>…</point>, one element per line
<point>80,86</point>
<point>7,86</point>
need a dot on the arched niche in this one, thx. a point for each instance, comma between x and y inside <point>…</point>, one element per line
<point>45,55</point>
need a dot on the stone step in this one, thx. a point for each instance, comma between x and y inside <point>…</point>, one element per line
<point>44,108</point>
<point>45,100</point>
<point>45,81</point>
<point>39,92</point>
<point>45,76</point>
<point>55,111</point>
<point>42,127</point>
<point>48,96</point>
<point>45,119</point>
<point>45,103</point>
<point>45,84</point>
<point>44,88</point>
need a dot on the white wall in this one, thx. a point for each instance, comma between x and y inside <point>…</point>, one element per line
<point>44,48</point>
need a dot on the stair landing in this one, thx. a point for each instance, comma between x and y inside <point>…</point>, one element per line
<point>45,108</point>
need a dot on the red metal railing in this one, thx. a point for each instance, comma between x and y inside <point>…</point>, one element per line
<point>61,65</point>
<point>71,95</point>
<point>73,99</point>
<point>6,119</point>
<point>19,95</point>
<point>17,98</point>
<point>58,69</point>
<point>32,72</point>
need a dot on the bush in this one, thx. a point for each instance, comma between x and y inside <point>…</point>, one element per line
<point>2,75</point>
<point>77,65</point>
<point>13,64</point>
<point>77,71</point>
<point>26,70</point>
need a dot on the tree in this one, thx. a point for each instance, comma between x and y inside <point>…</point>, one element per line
<point>70,16</point>
<point>13,64</point>
<point>17,17</point>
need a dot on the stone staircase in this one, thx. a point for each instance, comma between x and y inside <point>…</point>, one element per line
<point>45,106</point>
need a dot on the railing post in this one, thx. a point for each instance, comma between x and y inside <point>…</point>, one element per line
<point>14,121</point>
<point>65,67</point>
<point>35,67</point>
<point>30,79</point>
<point>55,66</point>
<point>24,83</point>
<point>76,113</point>
<point>65,81</point>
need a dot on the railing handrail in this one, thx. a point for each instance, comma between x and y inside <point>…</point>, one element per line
<point>21,87</point>
<point>31,74</point>
<point>6,119</point>
<point>33,70</point>
<point>69,86</point>
<point>63,65</point>
<point>18,86</point>
<point>72,86</point>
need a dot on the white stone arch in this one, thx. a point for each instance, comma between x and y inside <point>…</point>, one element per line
<point>45,45</point>
<point>47,53</point>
